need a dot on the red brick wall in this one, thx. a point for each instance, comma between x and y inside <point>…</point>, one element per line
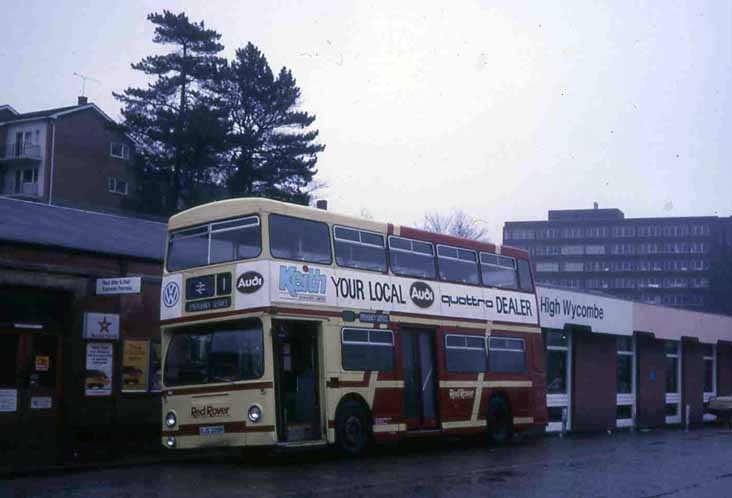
<point>83,162</point>
<point>724,368</point>
<point>651,382</point>
<point>594,383</point>
<point>692,380</point>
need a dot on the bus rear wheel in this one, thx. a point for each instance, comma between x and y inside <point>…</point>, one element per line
<point>353,429</point>
<point>500,422</point>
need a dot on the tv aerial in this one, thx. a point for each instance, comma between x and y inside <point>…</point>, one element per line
<point>84,79</point>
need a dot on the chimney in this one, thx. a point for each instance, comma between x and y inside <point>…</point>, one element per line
<point>321,204</point>
<point>595,205</point>
<point>83,100</point>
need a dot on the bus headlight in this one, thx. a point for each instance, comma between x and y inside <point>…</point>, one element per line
<point>171,419</point>
<point>255,413</point>
<point>170,442</point>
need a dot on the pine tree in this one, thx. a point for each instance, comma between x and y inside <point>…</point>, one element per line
<point>273,152</point>
<point>177,120</point>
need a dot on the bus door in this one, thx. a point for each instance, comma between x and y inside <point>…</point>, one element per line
<point>297,380</point>
<point>420,378</point>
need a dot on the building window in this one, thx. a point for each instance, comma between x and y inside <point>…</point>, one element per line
<point>673,382</point>
<point>542,266</point>
<point>710,371</point>
<point>595,249</point>
<point>119,150</point>
<point>625,398</point>
<point>573,266</point>
<point>117,185</point>
<point>573,250</point>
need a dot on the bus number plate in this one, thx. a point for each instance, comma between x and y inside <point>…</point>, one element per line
<point>211,429</point>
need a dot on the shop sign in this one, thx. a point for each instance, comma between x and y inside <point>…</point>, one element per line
<point>558,308</point>
<point>43,363</point>
<point>99,361</point>
<point>123,285</point>
<point>135,359</point>
<point>8,400</point>
<point>41,402</point>
<point>101,326</point>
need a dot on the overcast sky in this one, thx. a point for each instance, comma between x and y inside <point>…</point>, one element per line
<point>502,109</point>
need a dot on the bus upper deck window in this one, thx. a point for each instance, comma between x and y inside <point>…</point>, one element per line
<point>457,265</point>
<point>524,270</point>
<point>188,248</point>
<point>216,242</point>
<point>359,249</point>
<point>411,258</point>
<point>498,271</point>
<point>235,239</point>
<point>299,239</point>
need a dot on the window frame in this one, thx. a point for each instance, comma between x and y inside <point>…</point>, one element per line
<point>207,226</point>
<point>360,242</point>
<point>331,251</point>
<point>713,359</point>
<point>466,348</point>
<point>124,150</point>
<point>113,184</point>
<point>476,262</point>
<point>368,343</point>
<point>433,256</point>
<point>212,328</point>
<point>496,265</point>
<point>523,350</point>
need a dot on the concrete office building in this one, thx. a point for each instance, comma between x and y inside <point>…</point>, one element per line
<point>680,261</point>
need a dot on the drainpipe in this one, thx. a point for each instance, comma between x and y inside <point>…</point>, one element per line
<point>53,160</point>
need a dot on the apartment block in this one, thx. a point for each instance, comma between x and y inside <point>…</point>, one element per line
<point>73,156</point>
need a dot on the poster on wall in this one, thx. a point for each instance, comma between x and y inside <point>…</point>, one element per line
<point>155,367</point>
<point>8,400</point>
<point>135,358</point>
<point>101,326</point>
<point>99,361</point>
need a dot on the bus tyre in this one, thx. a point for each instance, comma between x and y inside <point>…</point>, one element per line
<point>500,422</point>
<point>353,428</point>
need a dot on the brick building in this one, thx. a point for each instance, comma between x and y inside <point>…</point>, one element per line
<point>79,335</point>
<point>73,156</point>
<point>669,261</point>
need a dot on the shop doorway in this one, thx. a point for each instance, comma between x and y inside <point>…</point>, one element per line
<point>30,394</point>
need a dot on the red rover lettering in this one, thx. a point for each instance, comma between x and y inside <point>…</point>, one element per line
<point>210,411</point>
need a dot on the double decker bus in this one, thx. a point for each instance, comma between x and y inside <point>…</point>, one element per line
<point>288,325</point>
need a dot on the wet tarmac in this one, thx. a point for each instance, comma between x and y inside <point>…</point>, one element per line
<point>665,463</point>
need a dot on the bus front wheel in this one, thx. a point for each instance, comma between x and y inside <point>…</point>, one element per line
<point>352,428</point>
<point>500,422</point>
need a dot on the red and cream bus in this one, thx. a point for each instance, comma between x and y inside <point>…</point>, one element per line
<point>287,325</point>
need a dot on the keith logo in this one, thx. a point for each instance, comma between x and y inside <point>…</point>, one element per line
<point>422,294</point>
<point>171,294</point>
<point>249,282</point>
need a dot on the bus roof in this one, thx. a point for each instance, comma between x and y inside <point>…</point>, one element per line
<point>243,206</point>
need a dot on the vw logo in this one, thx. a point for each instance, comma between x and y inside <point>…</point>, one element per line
<point>171,294</point>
